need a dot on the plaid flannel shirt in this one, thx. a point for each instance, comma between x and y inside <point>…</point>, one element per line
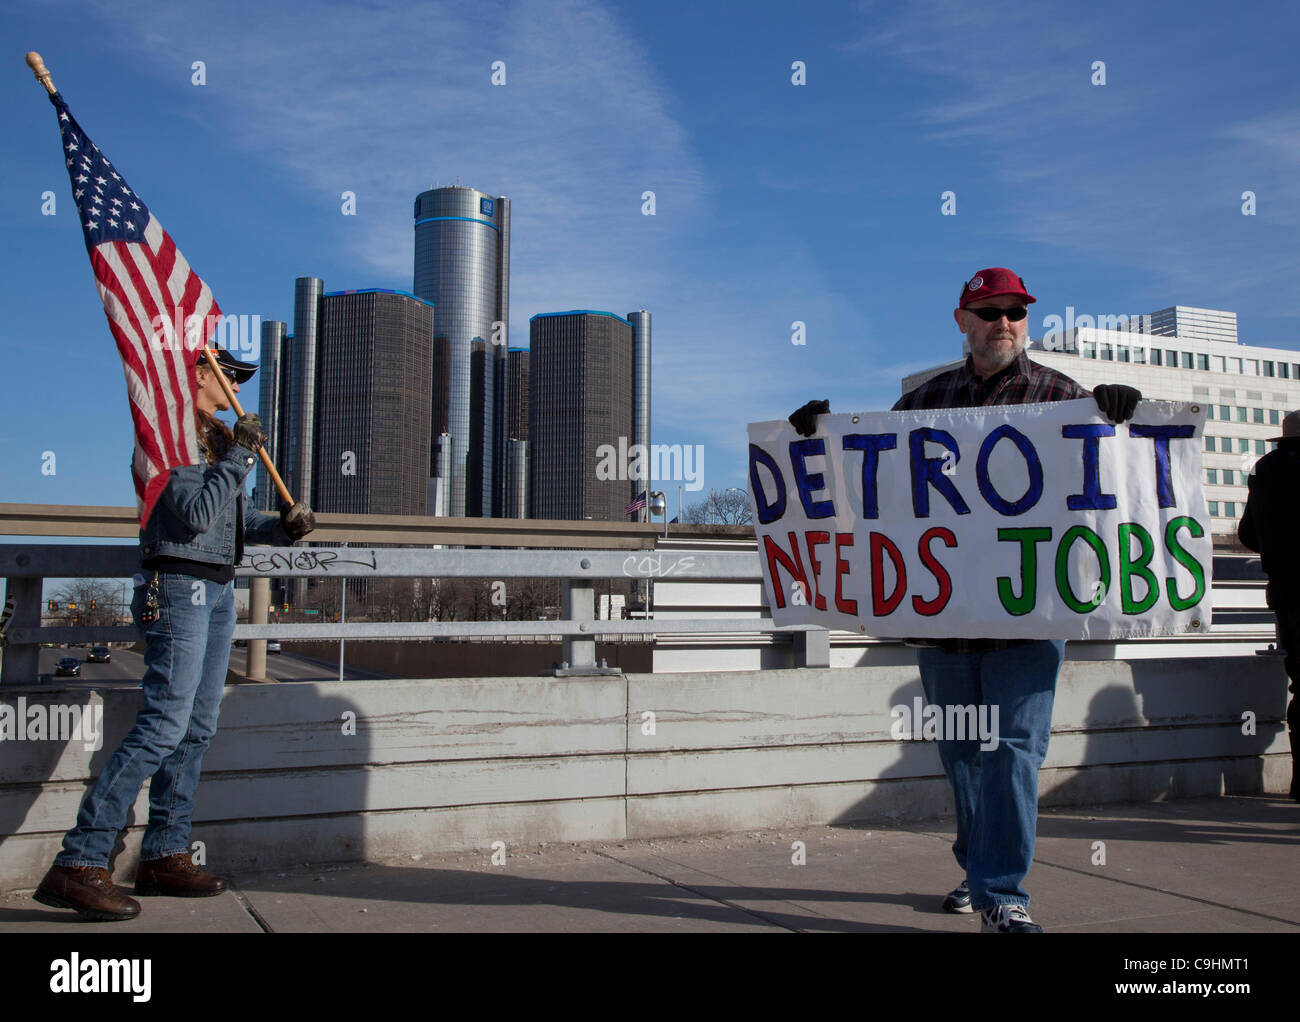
<point>1021,383</point>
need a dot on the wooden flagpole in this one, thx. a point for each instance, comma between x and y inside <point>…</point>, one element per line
<point>210,355</point>
<point>43,76</point>
<point>38,69</point>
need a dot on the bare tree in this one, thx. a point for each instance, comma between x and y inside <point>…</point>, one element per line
<point>729,507</point>
<point>91,602</point>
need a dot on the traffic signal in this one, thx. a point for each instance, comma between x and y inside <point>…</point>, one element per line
<point>286,606</point>
<point>92,604</point>
<point>72,606</point>
<point>54,606</point>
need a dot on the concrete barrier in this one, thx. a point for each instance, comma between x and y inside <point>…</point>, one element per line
<point>308,772</point>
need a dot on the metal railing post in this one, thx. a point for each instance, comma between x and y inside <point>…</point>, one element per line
<point>259,599</point>
<point>22,660</point>
<point>812,648</point>
<point>579,605</point>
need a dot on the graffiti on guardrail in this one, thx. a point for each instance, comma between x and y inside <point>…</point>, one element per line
<point>659,566</point>
<point>304,560</point>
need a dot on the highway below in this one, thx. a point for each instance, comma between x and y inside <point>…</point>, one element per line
<point>128,666</point>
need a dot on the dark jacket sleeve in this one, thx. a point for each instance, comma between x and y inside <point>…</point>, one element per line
<point>263,527</point>
<point>1246,527</point>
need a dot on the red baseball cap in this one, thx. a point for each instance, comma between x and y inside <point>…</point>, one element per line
<point>990,283</point>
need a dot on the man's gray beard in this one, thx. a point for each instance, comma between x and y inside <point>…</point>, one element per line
<point>1001,364</point>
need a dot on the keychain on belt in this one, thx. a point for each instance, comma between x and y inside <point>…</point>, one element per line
<point>149,612</point>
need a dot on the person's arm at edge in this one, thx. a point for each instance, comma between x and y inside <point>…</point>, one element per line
<point>1246,527</point>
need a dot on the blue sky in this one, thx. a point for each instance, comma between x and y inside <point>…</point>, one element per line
<point>774,203</point>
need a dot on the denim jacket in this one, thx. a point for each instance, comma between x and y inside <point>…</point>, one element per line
<point>195,516</point>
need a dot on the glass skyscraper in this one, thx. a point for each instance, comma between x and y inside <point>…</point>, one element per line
<point>372,430</point>
<point>271,401</point>
<point>462,266</point>
<point>581,413</point>
<point>345,401</point>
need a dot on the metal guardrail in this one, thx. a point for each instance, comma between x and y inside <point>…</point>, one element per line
<point>711,557</point>
<point>121,523</point>
<point>26,566</point>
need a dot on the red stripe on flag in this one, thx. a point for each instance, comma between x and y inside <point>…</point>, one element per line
<point>162,359</point>
<point>148,499</point>
<point>157,378</point>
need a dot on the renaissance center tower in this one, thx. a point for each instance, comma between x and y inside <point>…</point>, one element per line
<point>462,266</point>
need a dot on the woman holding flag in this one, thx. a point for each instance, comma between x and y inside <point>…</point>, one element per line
<point>189,471</point>
<point>185,601</point>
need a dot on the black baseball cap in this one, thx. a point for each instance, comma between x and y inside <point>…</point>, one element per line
<point>243,370</point>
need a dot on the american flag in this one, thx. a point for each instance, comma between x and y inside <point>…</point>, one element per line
<point>638,502</point>
<point>157,308</point>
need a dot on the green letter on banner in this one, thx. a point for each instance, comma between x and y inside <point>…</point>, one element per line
<point>1186,560</point>
<point>1128,568</point>
<point>1028,539</point>
<point>1063,568</point>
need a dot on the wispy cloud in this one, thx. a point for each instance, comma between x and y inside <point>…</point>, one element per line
<point>387,100</point>
<point>1117,174</point>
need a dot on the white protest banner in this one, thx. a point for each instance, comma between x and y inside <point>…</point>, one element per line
<point>1013,521</point>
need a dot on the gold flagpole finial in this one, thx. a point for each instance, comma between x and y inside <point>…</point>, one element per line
<point>40,71</point>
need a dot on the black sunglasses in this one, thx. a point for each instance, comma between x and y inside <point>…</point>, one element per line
<point>229,374</point>
<point>1014,314</point>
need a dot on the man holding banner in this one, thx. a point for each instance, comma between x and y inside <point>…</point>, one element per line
<point>1268,526</point>
<point>995,789</point>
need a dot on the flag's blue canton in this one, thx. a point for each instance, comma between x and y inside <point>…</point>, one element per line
<point>110,211</point>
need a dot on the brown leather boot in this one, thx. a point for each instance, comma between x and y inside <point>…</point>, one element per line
<point>87,889</point>
<point>178,876</point>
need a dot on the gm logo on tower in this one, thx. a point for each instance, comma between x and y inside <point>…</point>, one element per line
<point>485,206</point>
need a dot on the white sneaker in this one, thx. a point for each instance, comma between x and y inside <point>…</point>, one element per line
<point>1008,919</point>
<point>958,900</point>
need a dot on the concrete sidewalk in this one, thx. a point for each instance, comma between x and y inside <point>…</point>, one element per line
<point>1200,865</point>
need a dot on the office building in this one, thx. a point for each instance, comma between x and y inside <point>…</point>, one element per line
<point>1246,389</point>
<point>517,389</point>
<point>580,410</point>
<point>299,415</point>
<point>516,495</point>
<point>640,321</point>
<point>374,363</point>
<point>462,266</point>
<point>1191,324</point>
<point>271,376</point>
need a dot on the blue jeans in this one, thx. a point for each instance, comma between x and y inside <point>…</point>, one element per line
<point>995,791</point>
<point>187,652</point>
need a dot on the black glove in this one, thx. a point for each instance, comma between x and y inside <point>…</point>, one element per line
<point>249,433</point>
<point>297,521</point>
<point>804,420</point>
<point>1117,401</point>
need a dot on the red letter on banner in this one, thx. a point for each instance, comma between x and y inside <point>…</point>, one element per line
<point>882,605</point>
<point>814,540</point>
<point>843,605</point>
<point>931,607</point>
<point>792,562</point>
